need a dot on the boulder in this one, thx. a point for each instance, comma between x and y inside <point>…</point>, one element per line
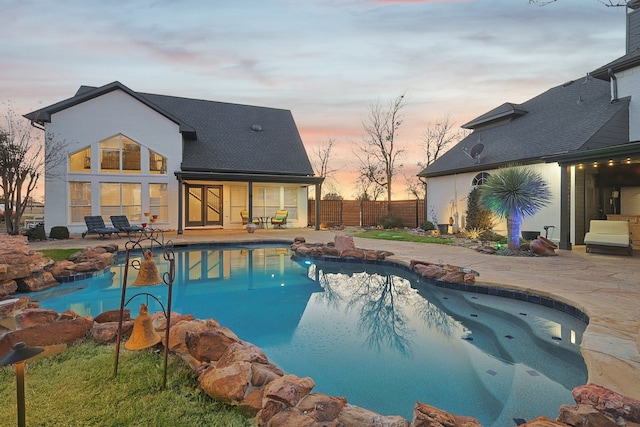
<point>53,333</point>
<point>586,416</point>
<point>107,332</point>
<point>262,374</point>
<point>321,407</point>
<point>355,416</point>
<point>178,333</point>
<point>228,383</point>
<point>209,345</point>
<point>352,253</point>
<point>543,422</point>
<point>36,282</point>
<point>113,316</point>
<point>344,243</point>
<point>251,404</point>
<point>429,416</point>
<point>242,351</point>
<point>291,419</point>
<point>608,401</point>
<point>35,317</point>
<point>8,287</point>
<point>288,389</point>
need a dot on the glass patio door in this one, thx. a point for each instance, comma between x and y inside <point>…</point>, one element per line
<point>204,205</point>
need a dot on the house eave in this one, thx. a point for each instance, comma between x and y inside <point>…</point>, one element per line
<point>247,177</point>
<point>615,153</point>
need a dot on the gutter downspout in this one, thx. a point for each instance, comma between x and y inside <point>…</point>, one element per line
<point>425,197</point>
<point>614,85</point>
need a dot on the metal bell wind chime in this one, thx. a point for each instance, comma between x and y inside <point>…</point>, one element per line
<point>144,334</point>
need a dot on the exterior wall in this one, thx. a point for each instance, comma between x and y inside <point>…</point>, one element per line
<point>87,124</point>
<point>629,85</point>
<point>447,197</point>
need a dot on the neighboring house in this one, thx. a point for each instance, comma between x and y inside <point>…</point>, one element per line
<point>582,136</point>
<point>193,163</point>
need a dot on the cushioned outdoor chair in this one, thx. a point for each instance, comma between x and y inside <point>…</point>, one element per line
<point>245,218</point>
<point>121,222</point>
<point>279,219</point>
<point>95,225</point>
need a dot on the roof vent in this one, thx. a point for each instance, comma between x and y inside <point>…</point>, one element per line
<point>256,128</point>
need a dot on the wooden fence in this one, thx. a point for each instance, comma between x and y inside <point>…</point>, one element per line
<point>365,213</point>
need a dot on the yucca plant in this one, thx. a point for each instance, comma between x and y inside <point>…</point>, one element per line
<point>514,193</point>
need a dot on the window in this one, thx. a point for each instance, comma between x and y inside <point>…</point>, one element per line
<point>291,201</point>
<point>159,201</point>
<point>80,200</point>
<point>119,154</point>
<point>80,161</point>
<point>121,199</point>
<point>480,179</point>
<point>266,201</point>
<point>157,163</point>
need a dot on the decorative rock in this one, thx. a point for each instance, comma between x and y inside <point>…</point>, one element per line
<point>242,351</point>
<point>291,418</point>
<point>53,333</point>
<point>288,389</point>
<point>178,332</point>
<point>543,422</point>
<point>228,384</point>
<point>263,374</point>
<point>321,407</point>
<point>454,277</point>
<point>331,251</point>
<point>36,282</point>
<point>429,416</point>
<point>209,345</point>
<point>9,306</point>
<point>160,320</point>
<point>269,409</point>
<point>35,317</point>
<point>107,332</point>
<point>251,404</point>
<point>8,287</point>
<point>352,253</point>
<point>354,416</point>
<point>344,243</point>
<point>606,400</point>
<point>586,415</point>
<point>113,316</point>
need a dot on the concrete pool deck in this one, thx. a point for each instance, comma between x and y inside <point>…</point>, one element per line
<point>604,286</point>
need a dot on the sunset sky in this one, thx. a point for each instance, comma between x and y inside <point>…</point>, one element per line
<point>325,60</point>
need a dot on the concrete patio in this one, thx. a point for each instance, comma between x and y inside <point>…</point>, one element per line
<point>606,287</point>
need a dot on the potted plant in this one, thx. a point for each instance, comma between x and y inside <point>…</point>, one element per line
<point>251,227</point>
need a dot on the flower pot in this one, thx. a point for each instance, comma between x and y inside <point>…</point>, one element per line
<point>443,228</point>
<point>154,216</point>
<point>251,228</point>
<point>529,235</point>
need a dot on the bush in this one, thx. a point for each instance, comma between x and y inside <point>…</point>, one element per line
<point>427,225</point>
<point>390,221</point>
<point>36,233</point>
<point>59,233</point>
<point>477,217</point>
<point>492,236</point>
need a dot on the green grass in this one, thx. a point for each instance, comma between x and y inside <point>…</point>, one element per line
<point>402,236</point>
<point>59,254</point>
<point>77,388</point>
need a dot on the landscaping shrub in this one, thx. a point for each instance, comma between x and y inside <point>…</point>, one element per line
<point>36,233</point>
<point>59,233</point>
<point>427,225</point>
<point>390,221</point>
<point>477,217</point>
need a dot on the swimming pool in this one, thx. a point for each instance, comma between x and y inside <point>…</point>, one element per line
<point>375,334</point>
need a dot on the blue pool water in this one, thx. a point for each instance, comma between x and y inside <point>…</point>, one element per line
<point>376,335</point>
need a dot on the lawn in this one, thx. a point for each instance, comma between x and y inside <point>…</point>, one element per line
<point>77,388</point>
<point>402,236</point>
<point>59,254</point>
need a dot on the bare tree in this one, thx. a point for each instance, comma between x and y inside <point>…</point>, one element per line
<point>22,164</point>
<point>320,161</point>
<point>379,151</point>
<point>438,137</point>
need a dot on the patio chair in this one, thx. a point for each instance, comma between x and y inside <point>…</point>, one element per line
<point>245,218</point>
<point>121,222</point>
<point>95,225</point>
<point>280,219</point>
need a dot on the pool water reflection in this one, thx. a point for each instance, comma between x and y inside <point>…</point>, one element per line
<point>380,337</point>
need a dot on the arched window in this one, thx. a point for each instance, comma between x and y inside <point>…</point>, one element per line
<point>480,179</point>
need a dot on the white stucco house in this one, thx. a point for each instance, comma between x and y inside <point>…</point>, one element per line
<point>583,136</point>
<point>193,163</point>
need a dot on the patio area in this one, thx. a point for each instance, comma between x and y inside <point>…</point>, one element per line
<point>606,287</point>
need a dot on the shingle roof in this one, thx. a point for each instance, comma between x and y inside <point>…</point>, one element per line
<point>577,115</point>
<point>218,137</point>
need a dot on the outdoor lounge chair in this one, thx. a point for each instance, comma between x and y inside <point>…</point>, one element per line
<point>95,225</point>
<point>245,218</point>
<point>280,219</point>
<point>121,222</point>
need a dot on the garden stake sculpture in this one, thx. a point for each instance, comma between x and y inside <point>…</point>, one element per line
<point>151,238</point>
